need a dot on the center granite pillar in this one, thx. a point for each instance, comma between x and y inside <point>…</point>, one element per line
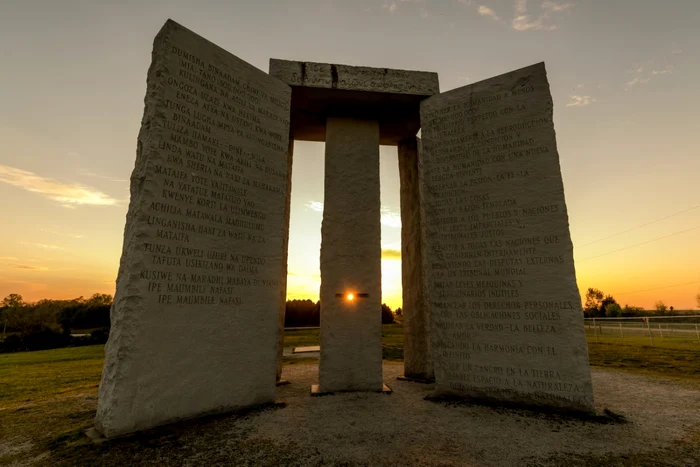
<point>351,347</point>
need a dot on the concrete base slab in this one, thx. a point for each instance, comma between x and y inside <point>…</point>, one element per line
<point>315,391</point>
<point>307,349</point>
<point>415,380</point>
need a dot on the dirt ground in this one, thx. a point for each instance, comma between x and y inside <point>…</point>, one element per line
<point>400,429</point>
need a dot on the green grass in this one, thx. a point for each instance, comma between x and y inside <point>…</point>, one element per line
<point>30,377</point>
<point>301,338</point>
<point>48,398</point>
<point>675,363</point>
<point>683,343</point>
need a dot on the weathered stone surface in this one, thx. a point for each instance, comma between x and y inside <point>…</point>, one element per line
<point>285,257</point>
<point>506,318</point>
<point>416,350</point>
<point>195,315</point>
<point>354,78</point>
<point>322,90</point>
<point>351,348</point>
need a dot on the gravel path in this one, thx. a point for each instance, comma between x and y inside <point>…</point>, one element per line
<point>402,429</point>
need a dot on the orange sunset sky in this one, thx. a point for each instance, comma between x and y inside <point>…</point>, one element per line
<point>623,76</point>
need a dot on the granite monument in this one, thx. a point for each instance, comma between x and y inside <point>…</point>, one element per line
<point>491,307</point>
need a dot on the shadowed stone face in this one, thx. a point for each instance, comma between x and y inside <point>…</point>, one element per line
<point>416,349</point>
<point>351,348</point>
<point>506,319</point>
<point>195,315</point>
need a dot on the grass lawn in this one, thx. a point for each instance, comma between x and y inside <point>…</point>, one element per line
<point>48,398</point>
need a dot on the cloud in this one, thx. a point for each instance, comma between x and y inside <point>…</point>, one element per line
<point>580,101</point>
<point>389,216</point>
<point>394,5</point>
<point>554,7</point>
<point>466,2</point>
<point>63,234</point>
<point>665,71</point>
<point>315,206</point>
<point>635,81</point>
<point>87,173</point>
<point>8,258</point>
<point>43,246</point>
<point>646,71</point>
<point>391,254</point>
<point>486,11</point>
<point>522,21</point>
<point>67,194</point>
<point>31,268</point>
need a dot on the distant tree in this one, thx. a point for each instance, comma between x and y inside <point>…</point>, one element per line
<point>607,302</point>
<point>302,313</point>
<point>630,311</point>
<point>597,303</point>
<point>8,307</point>
<point>613,310</point>
<point>13,300</point>
<point>697,300</point>
<point>399,311</point>
<point>594,297</point>
<point>660,307</point>
<point>387,315</point>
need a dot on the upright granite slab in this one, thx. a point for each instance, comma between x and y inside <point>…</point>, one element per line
<point>416,349</point>
<point>195,315</point>
<point>351,327</point>
<point>506,317</point>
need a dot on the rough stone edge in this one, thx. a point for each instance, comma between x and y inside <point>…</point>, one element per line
<point>536,67</point>
<point>153,101</point>
<point>127,299</point>
<point>278,68</point>
<point>411,182</point>
<point>285,261</point>
<point>316,392</point>
<point>97,438</point>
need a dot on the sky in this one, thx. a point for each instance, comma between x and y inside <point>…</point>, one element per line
<point>623,76</point>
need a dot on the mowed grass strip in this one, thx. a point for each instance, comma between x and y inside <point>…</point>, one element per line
<point>30,377</point>
<point>653,361</point>
<point>392,343</point>
<point>47,399</point>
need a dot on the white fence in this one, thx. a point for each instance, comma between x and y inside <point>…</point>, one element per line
<point>653,327</point>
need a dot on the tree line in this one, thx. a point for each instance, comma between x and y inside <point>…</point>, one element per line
<point>601,305</point>
<point>301,313</point>
<point>49,324</point>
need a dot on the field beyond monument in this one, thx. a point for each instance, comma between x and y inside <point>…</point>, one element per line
<point>60,385</point>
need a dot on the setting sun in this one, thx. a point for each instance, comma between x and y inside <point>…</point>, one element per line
<point>350,297</point>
